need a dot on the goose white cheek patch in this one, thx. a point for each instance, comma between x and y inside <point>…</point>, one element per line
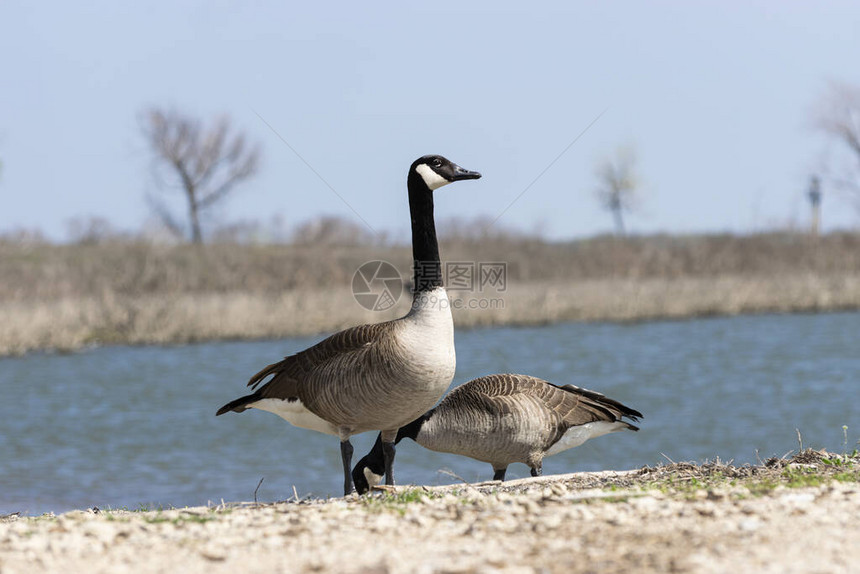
<point>430,177</point>
<point>372,478</point>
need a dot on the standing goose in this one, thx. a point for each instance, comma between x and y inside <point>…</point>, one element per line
<point>502,419</point>
<point>380,376</point>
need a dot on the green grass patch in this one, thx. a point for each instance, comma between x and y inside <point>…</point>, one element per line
<point>396,501</point>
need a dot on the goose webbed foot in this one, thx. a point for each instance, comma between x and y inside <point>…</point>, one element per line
<point>346,456</point>
<point>537,470</point>
<point>388,452</point>
<point>499,473</point>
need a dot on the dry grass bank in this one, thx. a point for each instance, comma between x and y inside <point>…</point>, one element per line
<point>70,296</point>
<point>40,272</point>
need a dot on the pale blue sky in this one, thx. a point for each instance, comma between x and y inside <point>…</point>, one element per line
<point>716,97</point>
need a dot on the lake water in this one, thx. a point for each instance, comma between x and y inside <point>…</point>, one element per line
<point>130,426</point>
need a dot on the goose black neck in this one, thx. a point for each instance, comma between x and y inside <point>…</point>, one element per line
<point>411,430</point>
<point>425,248</point>
<point>375,459</point>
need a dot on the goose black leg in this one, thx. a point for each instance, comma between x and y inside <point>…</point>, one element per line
<point>537,470</point>
<point>500,474</point>
<point>388,451</point>
<point>346,457</point>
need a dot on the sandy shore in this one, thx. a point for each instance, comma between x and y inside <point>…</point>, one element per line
<point>796,515</point>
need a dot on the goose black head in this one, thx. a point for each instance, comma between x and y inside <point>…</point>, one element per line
<point>436,171</point>
<point>369,471</point>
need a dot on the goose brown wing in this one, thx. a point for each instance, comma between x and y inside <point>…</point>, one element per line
<point>342,350</point>
<point>498,394</point>
<point>503,393</point>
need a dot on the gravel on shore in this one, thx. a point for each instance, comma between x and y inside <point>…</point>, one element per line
<point>796,515</point>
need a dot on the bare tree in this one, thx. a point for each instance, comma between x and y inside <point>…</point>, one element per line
<point>616,184</point>
<point>205,161</point>
<point>838,115</point>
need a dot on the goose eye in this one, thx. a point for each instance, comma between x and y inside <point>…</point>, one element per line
<point>437,162</point>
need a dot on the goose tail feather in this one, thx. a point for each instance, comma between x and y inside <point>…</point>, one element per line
<point>239,405</point>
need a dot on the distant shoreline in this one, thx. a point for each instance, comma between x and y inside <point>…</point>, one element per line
<point>74,323</point>
<point>69,297</point>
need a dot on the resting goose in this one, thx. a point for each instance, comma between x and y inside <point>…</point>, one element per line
<point>380,376</point>
<point>502,419</point>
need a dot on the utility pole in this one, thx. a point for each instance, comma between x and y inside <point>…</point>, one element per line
<point>815,202</point>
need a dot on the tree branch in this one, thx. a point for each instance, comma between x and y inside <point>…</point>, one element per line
<point>208,161</point>
<point>165,216</point>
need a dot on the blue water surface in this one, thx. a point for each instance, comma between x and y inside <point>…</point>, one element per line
<point>131,426</point>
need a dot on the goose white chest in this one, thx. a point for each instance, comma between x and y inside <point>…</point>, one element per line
<point>427,338</point>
